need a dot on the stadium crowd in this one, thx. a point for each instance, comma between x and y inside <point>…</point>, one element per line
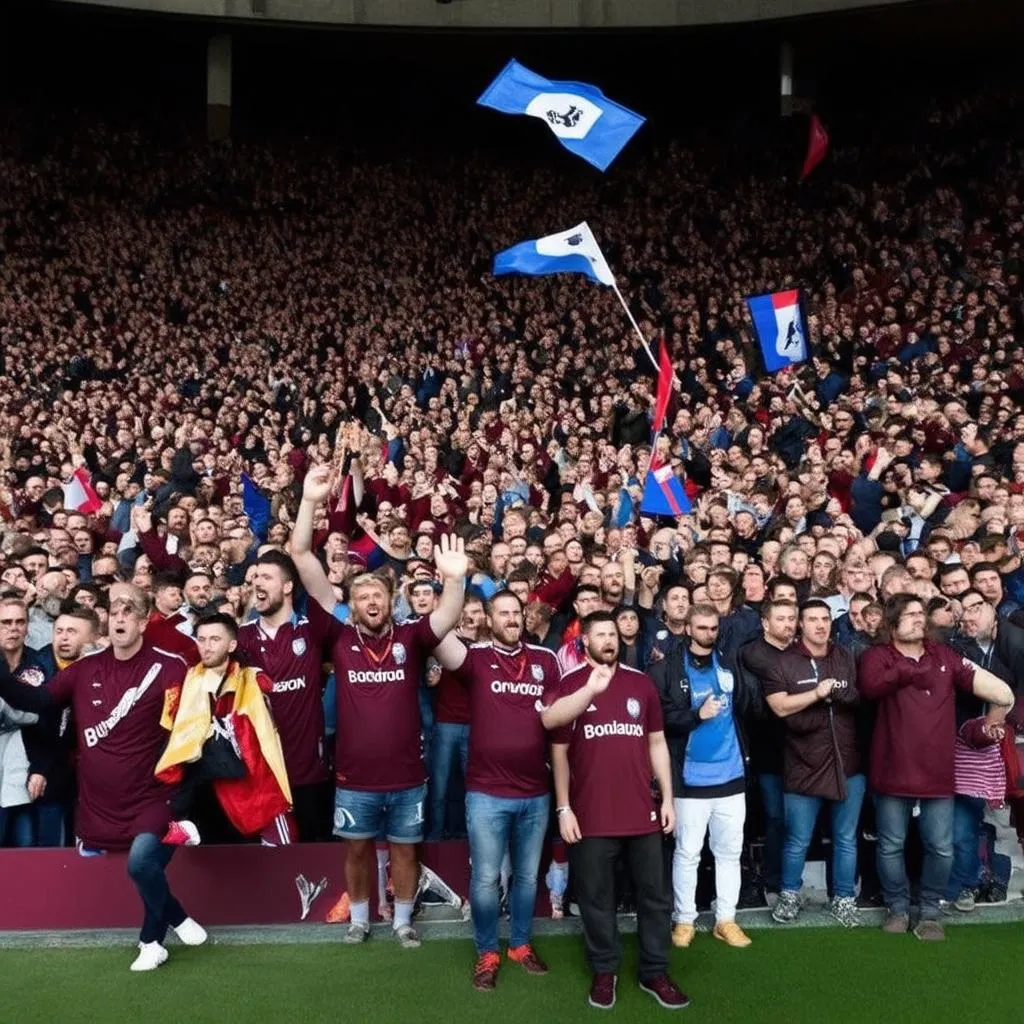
<point>206,335</point>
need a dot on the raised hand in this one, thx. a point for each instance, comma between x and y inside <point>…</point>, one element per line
<point>600,678</point>
<point>317,485</point>
<point>450,557</point>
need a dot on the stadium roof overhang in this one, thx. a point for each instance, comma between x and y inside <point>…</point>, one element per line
<point>494,14</point>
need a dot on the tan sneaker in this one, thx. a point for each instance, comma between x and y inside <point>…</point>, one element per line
<point>682,935</point>
<point>731,934</point>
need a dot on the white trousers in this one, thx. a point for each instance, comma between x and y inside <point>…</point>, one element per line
<point>723,817</point>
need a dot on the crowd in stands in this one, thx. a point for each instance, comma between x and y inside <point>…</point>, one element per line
<point>199,328</point>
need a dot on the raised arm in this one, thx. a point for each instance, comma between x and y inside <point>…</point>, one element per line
<point>452,563</point>
<point>16,699</point>
<point>315,489</point>
<point>451,652</point>
<point>567,709</point>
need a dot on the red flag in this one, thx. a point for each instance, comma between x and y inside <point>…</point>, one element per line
<point>665,374</point>
<point>79,493</point>
<point>817,146</point>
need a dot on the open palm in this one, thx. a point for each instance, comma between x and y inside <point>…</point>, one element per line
<point>450,557</point>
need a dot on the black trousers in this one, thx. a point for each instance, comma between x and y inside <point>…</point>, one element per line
<point>313,809</point>
<point>592,868</point>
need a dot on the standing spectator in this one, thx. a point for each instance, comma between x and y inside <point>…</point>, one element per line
<point>702,707</point>
<point>378,667</point>
<point>117,699</point>
<point>812,688</point>
<point>508,801</point>
<point>289,648</point>
<point>608,743</point>
<point>912,753</point>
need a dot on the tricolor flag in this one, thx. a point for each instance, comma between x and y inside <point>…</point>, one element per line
<point>79,493</point>
<point>582,118</point>
<point>817,146</point>
<point>781,328</point>
<point>572,251</point>
<point>664,494</point>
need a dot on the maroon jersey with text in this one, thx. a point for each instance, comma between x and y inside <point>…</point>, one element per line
<point>378,680</point>
<point>293,658</point>
<point>452,696</point>
<point>609,759</point>
<point>116,708</point>
<point>508,744</point>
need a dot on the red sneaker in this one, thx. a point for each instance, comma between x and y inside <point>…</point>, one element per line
<point>181,833</point>
<point>667,992</point>
<point>527,959</point>
<point>602,991</point>
<point>485,973</point>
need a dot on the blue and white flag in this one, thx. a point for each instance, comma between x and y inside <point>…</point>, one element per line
<point>572,251</point>
<point>780,328</point>
<point>583,119</point>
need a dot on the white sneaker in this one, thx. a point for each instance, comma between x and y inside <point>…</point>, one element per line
<point>192,933</point>
<point>151,956</point>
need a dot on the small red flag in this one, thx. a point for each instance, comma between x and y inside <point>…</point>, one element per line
<point>665,374</point>
<point>817,146</point>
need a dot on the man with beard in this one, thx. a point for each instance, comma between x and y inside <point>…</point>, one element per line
<point>117,699</point>
<point>379,769</point>
<point>607,746</point>
<point>914,681</point>
<point>507,781</point>
<point>289,648</point>
<point>767,733</point>
<point>52,588</point>
<point>198,591</point>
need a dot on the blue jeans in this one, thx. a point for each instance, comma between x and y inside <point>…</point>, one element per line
<point>774,829</point>
<point>395,814</point>
<point>968,814</point>
<point>449,739</point>
<point>892,814</point>
<point>147,864</point>
<point>16,826</point>
<point>801,817</point>
<point>496,823</point>
<point>426,722</point>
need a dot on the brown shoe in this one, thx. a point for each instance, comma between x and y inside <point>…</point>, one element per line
<point>930,931</point>
<point>896,924</point>
<point>731,934</point>
<point>527,959</point>
<point>485,973</point>
<point>682,935</point>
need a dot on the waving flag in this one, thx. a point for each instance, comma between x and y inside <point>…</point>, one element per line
<point>780,328</point>
<point>817,146</point>
<point>79,493</point>
<point>257,508</point>
<point>572,251</point>
<point>665,375</point>
<point>664,494</point>
<point>583,119</point>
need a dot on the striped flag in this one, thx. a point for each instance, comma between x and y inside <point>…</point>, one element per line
<point>79,493</point>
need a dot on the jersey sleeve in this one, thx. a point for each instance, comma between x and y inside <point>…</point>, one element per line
<point>324,627</point>
<point>963,672</point>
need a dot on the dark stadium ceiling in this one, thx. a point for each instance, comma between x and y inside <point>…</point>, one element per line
<point>495,14</point>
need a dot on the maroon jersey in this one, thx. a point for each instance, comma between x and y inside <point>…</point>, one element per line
<point>508,744</point>
<point>293,658</point>
<point>610,770</point>
<point>452,698</point>
<point>116,707</point>
<point>378,680</point>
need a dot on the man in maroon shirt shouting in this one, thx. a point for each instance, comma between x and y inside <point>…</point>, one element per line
<point>608,744</point>
<point>508,785</point>
<point>912,753</point>
<point>289,648</point>
<point>117,699</point>
<point>378,666</point>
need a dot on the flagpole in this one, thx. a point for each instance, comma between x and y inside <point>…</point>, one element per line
<point>636,326</point>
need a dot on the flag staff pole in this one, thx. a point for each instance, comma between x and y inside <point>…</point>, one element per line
<point>636,326</point>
